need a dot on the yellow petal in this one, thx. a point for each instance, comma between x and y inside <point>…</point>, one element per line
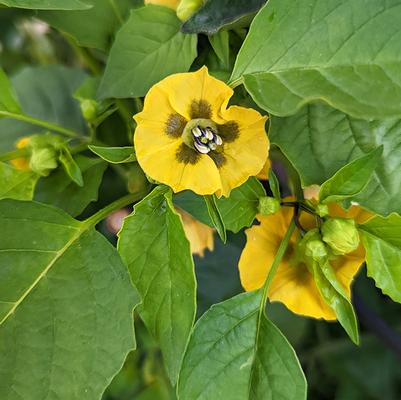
<point>264,172</point>
<point>160,163</point>
<point>246,155</point>
<point>199,235</point>
<point>185,88</point>
<point>166,3</point>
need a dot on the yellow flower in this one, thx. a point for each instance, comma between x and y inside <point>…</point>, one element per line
<point>187,138</point>
<point>167,3</point>
<point>21,163</point>
<point>199,235</point>
<point>293,284</point>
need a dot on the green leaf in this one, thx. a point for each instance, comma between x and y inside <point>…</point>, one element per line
<point>66,305</point>
<point>215,216</point>
<point>216,14</point>
<point>148,48</point>
<point>237,211</point>
<point>382,241</point>
<point>59,190</point>
<point>274,185</point>
<point>16,184</point>
<point>47,4</point>
<point>351,179</point>
<point>44,93</point>
<point>114,155</point>
<point>346,53</point>
<point>8,100</point>
<point>221,46</point>
<point>309,137</point>
<point>152,243</point>
<point>232,356</point>
<point>70,166</point>
<point>94,27</point>
<point>334,295</point>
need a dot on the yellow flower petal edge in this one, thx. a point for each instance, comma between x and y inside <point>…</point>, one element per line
<point>166,3</point>
<point>188,139</point>
<point>21,163</point>
<point>293,285</point>
<point>199,235</point>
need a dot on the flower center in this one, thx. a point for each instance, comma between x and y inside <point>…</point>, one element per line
<point>201,135</point>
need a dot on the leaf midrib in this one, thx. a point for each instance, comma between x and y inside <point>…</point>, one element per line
<point>58,255</point>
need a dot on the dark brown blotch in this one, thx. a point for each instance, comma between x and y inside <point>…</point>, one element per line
<point>200,109</point>
<point>187,155</point>
<point>229,131</point>
<point>218,158</point>
<point>175,125</point>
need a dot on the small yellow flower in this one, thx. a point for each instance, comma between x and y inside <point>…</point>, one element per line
<point>199,235</point>
<point>166,3</point>
<point>187,138</point>
<point>293,284</point>
<point>21,163</point>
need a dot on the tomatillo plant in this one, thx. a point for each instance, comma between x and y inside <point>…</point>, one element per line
<point>200,200</point>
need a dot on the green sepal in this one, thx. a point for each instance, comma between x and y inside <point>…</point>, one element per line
<point>215,216</point>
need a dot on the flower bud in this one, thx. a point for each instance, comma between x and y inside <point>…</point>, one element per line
<point>322,210</point>
<point>187,8</point>
<point>311,248</point>
<point>43,160</point>
<point>341,235</point>
<point>89,109</point>
<point>268,205</point>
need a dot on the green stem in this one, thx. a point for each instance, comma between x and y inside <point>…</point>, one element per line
<point>11,155</point>
<point>276,263</point>
<point>116,11</point>
<point>39,122</point>
<point>116,205</point>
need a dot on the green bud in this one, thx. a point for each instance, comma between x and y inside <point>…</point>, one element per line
<point>316,250</point>
<point>322,210</point>
<point>268,205</point>
<point>43,160</point>
<point>341,235</point>
<point>89,109</point>
<point>187,8</point>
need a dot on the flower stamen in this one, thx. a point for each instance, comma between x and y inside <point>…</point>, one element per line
<point>205,139</point>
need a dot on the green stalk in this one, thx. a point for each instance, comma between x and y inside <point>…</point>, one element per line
<point>40,122</point>
<point>11,155</point>
<point>115,205</point>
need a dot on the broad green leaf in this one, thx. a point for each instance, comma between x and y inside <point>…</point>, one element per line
<point>114,155</point>
<point>351,179</point>
<point>221,46</point>
<point>8,100</point>
<point>94,27</point>
<point>16,184</point>
<point>319,140</point>
<point>59,190</point>
<point>152,243</point>
<point>237,211</point>
<point>216,14</point>
<point>233,356</point>
<point>215,216</point>
<point>346,53</point>
<point>70,166</point>
<point>148,48</point>
<point>47,4</point>
<point>382,241</point>
<point>334,295</point>
<point>66,304</point>
<point>44,93</point>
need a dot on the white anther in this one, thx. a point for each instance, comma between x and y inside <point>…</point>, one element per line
<point>212,146</point>
<point>209,133</point>
<point>201,148</point>
<point>196,131</point>
<point>218,140</point>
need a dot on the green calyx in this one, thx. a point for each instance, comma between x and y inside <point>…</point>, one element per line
<point>268,205</point>
<point>311,249</point>
<point>341,235</point>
